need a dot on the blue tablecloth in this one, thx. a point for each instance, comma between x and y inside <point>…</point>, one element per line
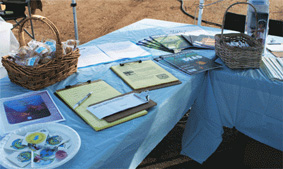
<point>244,99</point>
<point>241,98</point>
<point>127,144</point>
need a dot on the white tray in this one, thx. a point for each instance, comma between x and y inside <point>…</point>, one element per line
<point>75,141</point>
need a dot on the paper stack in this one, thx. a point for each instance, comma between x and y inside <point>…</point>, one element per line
<point>272,68</point>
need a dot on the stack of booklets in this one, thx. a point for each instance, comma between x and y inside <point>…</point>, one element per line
<point>272,68</point>
<point>175,43</point>
<point>201,41</point>
<point>189,62</point>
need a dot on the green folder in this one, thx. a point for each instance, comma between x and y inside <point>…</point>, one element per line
<point>101,91</point>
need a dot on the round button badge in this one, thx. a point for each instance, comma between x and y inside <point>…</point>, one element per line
<point>60,155</point>
<point>36,138</point>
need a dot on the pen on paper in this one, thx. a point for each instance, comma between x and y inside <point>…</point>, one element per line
<point>81,101</point>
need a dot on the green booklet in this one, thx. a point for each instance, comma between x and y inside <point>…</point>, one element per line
<point>201,41</point>
<point>189,62</point>
<point>101,91</point>
<point>173,42</point>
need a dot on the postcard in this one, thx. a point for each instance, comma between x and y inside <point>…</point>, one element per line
<point>28,108</point>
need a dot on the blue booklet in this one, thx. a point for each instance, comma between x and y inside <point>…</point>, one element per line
<point>189,62</point>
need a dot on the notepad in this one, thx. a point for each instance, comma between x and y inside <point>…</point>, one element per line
<point>145,75</point>
<point>101,91</point>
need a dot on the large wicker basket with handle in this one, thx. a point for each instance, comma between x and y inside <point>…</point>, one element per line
<point>238,56</point>
<point>42,75</point>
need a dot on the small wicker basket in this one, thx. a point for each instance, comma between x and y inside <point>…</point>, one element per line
<point>41,76</point>
<point>236,57</point>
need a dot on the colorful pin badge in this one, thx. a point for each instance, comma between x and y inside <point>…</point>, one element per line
<point>15,143</point>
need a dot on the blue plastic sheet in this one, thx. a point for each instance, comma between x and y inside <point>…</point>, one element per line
<point>127,144</point>
<point>244,99</point>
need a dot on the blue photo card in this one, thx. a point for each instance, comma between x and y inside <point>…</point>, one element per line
<point>29,108</point>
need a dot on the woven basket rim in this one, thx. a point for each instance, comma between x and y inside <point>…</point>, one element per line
<point>43,75</point>
<point>51,25</point>
<point>237,57</point>
<point>74,53</point>
<point>254,47</point>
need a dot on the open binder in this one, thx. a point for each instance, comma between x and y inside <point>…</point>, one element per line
<point>145,75</point>
<point>102,91</point>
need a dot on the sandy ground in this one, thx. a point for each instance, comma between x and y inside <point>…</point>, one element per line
<point>99,17</point>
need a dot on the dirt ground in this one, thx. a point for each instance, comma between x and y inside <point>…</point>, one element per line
<point>99,17</point>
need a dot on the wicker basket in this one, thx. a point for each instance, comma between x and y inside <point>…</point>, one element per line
<point>43,75</point>
<point>236,57</point>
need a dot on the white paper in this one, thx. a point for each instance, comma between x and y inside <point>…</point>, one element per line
<point>277,67</point>
<point>123,50</point>
<point>91,55</point>
<point>118,104</point>
<point>196,30</point>
<point>275,48</point>
<point>272,68</point>
<point>280,61</point>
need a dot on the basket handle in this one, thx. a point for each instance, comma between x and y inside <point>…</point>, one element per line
<point>59,47</point>
<point>224,18</point>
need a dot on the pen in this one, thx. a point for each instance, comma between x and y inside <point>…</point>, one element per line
<point>81,101</point>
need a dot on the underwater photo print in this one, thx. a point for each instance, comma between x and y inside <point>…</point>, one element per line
<point>28,108</point>
<point>25,109</point>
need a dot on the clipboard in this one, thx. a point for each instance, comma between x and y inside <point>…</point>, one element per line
<point>102,91</point>
<point>154,77</point>
<point>127,112</point>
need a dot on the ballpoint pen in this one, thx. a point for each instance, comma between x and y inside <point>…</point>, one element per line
<point>81,101</point>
